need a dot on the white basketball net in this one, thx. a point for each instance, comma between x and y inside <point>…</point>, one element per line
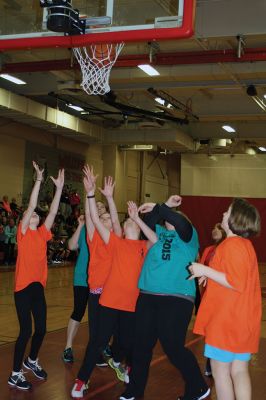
<point>96,66</point>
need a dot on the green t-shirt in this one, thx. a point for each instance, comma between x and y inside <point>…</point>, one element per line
<point>81,267</point>
<point>165,266</point>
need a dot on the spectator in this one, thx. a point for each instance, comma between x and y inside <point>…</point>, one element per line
<point>6,205</point>
<point>74,200</point>
<point>65,202</point>
<point>10,241</point>
<point>2,241</point>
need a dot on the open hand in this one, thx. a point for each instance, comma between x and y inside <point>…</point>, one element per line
<point>59,181</point>
<point>132,210</point>
<point>109,186</point>
<point>39,171</point>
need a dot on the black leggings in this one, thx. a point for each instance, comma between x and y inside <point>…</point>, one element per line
<point>165,318</point>
<point>109,322</point>
<point>29,302</point>
<point>81,295</point>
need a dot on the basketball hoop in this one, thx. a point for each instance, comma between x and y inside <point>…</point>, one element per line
<point>96,62</point>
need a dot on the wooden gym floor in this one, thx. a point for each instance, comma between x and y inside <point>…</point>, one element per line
<point>164,383</point>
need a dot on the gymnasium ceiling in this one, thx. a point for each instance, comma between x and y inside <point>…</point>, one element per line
<point>208,74</point>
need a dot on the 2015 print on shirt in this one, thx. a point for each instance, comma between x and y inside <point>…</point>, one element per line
<point>167,245</point>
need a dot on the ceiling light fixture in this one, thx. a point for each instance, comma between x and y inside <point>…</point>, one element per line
<point>148,69</point>
<point>261,148</point>
<point>12,79</point>
<point>76,108</point>
<point>160,101</point>
<point>228,128</point>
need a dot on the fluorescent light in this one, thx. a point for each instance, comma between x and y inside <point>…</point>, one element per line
<point>160,100</point>
<point>228,128</point>
<point>12,79</point>
<point>261,148</point>
<point>250,151</point>
<point>148,69</point>
<point>77,108</point>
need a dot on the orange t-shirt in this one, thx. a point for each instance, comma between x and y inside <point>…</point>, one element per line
<point>206,257</point>
<point>121,288</point>
<point>207,254</point>
<point>31,263</point>
<point>100,261</point>
<point>230,318</point>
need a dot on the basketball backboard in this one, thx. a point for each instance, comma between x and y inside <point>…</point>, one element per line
<point>23,23</point>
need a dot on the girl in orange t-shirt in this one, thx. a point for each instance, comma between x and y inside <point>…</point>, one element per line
<point>30,280</point>
<point>218,235</point>
<point>120,291</point>
<point>230,312</point>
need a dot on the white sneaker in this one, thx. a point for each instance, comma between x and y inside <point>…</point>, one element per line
<point>79,389</point>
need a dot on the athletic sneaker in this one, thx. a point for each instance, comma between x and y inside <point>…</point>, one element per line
<point>18,380</point>
<point>102,362</point>
<point>107,352</point>
<point>126,375</point>
<point>68,355</point>
<point>79,389</point>
<point>204,393</point>
<point>125,396</point>
<point>119,369</point>
<point>35,368</point>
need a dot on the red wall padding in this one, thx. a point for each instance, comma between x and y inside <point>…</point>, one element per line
<point>205,212</point>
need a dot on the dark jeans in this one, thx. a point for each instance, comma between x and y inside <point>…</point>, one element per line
<point>29,302</point>
<point>109,321</point>
<point>165,318</point>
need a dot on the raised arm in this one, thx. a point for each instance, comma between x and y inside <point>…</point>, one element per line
<point>134,215</point>
<point>108,192</point>
<point>151,212</point>
<point>91,179</point>
<point>59,183</point>
<point>33,198</point>
<point>89,223</point>
<point>73,241</point>
<point>182,225</point>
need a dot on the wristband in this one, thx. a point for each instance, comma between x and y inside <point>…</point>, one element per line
<point>38,180</point>
<point>91,197</point>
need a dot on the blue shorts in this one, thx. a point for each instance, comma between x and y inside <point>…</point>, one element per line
<point>224,355</point>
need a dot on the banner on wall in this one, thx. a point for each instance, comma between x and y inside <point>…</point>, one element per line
<point>51,159</point>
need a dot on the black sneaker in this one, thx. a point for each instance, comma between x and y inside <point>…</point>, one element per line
<point>18,380</point>
<point>107,352</point>
<point>101,362</point>
<point>68,355</point>
<point>126,396</point>
<point>35,368</point>
<point>204,393</point>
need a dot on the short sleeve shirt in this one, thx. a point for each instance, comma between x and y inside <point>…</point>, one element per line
<point>31,263</point>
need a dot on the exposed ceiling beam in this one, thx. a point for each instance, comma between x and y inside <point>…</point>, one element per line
<point>132,60</point>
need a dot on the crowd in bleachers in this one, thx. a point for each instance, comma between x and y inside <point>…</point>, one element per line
<point>63,227</point>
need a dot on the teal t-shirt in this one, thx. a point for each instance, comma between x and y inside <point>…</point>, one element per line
<point>81,267</point>
<point>165,266</point>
